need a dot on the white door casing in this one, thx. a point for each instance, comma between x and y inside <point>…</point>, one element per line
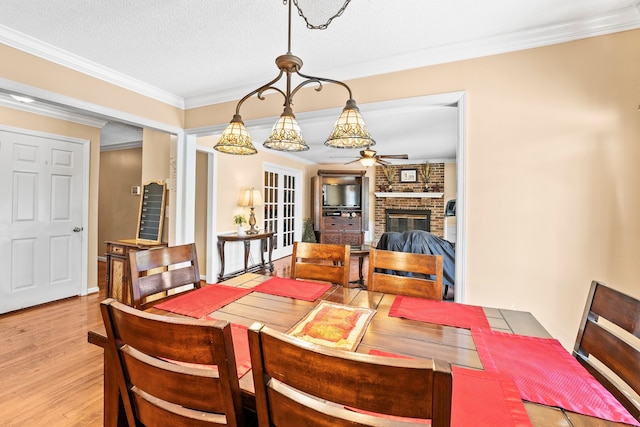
<point>41,222</point>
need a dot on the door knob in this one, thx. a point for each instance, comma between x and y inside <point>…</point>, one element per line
<point>77,229</point>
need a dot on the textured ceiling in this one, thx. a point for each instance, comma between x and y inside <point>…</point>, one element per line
<point>196,52</point>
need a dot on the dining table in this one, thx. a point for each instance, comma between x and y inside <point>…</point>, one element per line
<point>386,333</point>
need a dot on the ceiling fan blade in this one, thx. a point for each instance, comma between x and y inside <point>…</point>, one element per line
<point>394,156</point>
<point>382,162</point>
<point>352,161</point>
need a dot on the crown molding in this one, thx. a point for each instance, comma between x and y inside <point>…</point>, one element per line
<point>121,146</point>
<point>616,21</point>
<point>51,111</point>
<point>74,62</point>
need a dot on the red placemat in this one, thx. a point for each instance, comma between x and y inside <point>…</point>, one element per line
<point>298,289</point>
<point>546,373</point>
<point>203,301</point>
<point>481,398</point>
<point>439,312</point>
<point>241,348</point>
<point>486,399</point>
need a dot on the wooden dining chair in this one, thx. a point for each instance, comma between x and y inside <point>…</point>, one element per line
<point>172,371</point>
<point>609,336</point>
<point>155,271</point>
<point>298,383</point>
<point>321,261</point>
<point>404,273</point>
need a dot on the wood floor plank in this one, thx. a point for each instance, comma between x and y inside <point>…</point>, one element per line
<point>49,374</point>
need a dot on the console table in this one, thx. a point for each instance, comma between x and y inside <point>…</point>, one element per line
<point>266,242</point>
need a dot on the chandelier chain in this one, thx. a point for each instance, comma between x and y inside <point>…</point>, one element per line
<point>321,26</point>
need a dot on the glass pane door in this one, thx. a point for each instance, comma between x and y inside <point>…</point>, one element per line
<point>282,212</point>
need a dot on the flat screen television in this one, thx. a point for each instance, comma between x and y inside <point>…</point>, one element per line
<point>341,195</point>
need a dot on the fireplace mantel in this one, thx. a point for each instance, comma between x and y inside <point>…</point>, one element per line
<point>405,194</point>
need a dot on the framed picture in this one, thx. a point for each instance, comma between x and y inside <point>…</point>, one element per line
<point>409,175</point>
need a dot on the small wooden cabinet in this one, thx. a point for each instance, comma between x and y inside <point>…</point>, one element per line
<point>118,274</point>
<point>340,206</point>
<point>342,230</point>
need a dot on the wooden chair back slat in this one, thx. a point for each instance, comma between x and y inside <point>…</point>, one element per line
<point>155,271</point>
<point>321,261</point>
<point>388,273</point>
<point>300,383</point>
<point>609,333</point>
<point>173,368</point>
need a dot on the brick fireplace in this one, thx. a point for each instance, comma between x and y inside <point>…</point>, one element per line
<point>410,205</point>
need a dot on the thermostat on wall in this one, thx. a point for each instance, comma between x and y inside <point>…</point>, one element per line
<point>135,190</point>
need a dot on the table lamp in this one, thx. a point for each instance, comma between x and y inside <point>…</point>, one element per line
<point>251,198</point>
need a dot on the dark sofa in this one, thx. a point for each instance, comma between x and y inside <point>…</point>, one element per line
<point>423,242</point>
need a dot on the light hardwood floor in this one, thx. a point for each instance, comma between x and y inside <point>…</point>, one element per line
<point>49,374</point>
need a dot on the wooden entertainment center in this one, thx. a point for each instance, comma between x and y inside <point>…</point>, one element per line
<point>340,206</point>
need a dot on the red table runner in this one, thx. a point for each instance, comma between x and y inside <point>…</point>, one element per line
<point>482,399</point>
<point>298,289</point>
<point>439,312</point>
<point>546,373</point>
<point>203,301</point>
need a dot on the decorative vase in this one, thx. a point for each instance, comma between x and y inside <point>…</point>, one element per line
<point>241,231</point>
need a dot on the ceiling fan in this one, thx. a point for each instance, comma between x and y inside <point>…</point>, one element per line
<point>370,158</point>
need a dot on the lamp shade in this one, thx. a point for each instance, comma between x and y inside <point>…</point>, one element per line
<point>250,198</point>
<point>286,134</point>
<point>350,131</point>
<point>235,139</point>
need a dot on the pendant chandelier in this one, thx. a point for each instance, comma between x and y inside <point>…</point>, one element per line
<point>349,130</point>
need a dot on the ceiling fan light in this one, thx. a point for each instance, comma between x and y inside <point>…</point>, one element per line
<point>368,161</point>
<point>286,134</point>
<point>350,131</point>
<point>235,139</point>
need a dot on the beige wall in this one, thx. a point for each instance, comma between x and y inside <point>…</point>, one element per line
<point>157,150</point>
<point>552,186</point>
<point>118,209</point>
<point>24,120</point>
<point>238,172</point>
<point>551,176</point>
<point>202,188</point>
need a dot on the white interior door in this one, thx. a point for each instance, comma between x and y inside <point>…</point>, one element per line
<point>282,207</point>
<point>41,190</point>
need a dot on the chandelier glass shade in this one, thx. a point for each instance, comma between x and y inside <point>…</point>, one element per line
<point>235,139</point>
<point>286,134</point>
<point>349,131</point>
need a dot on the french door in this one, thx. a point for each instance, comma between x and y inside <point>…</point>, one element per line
<point>282,207</point>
